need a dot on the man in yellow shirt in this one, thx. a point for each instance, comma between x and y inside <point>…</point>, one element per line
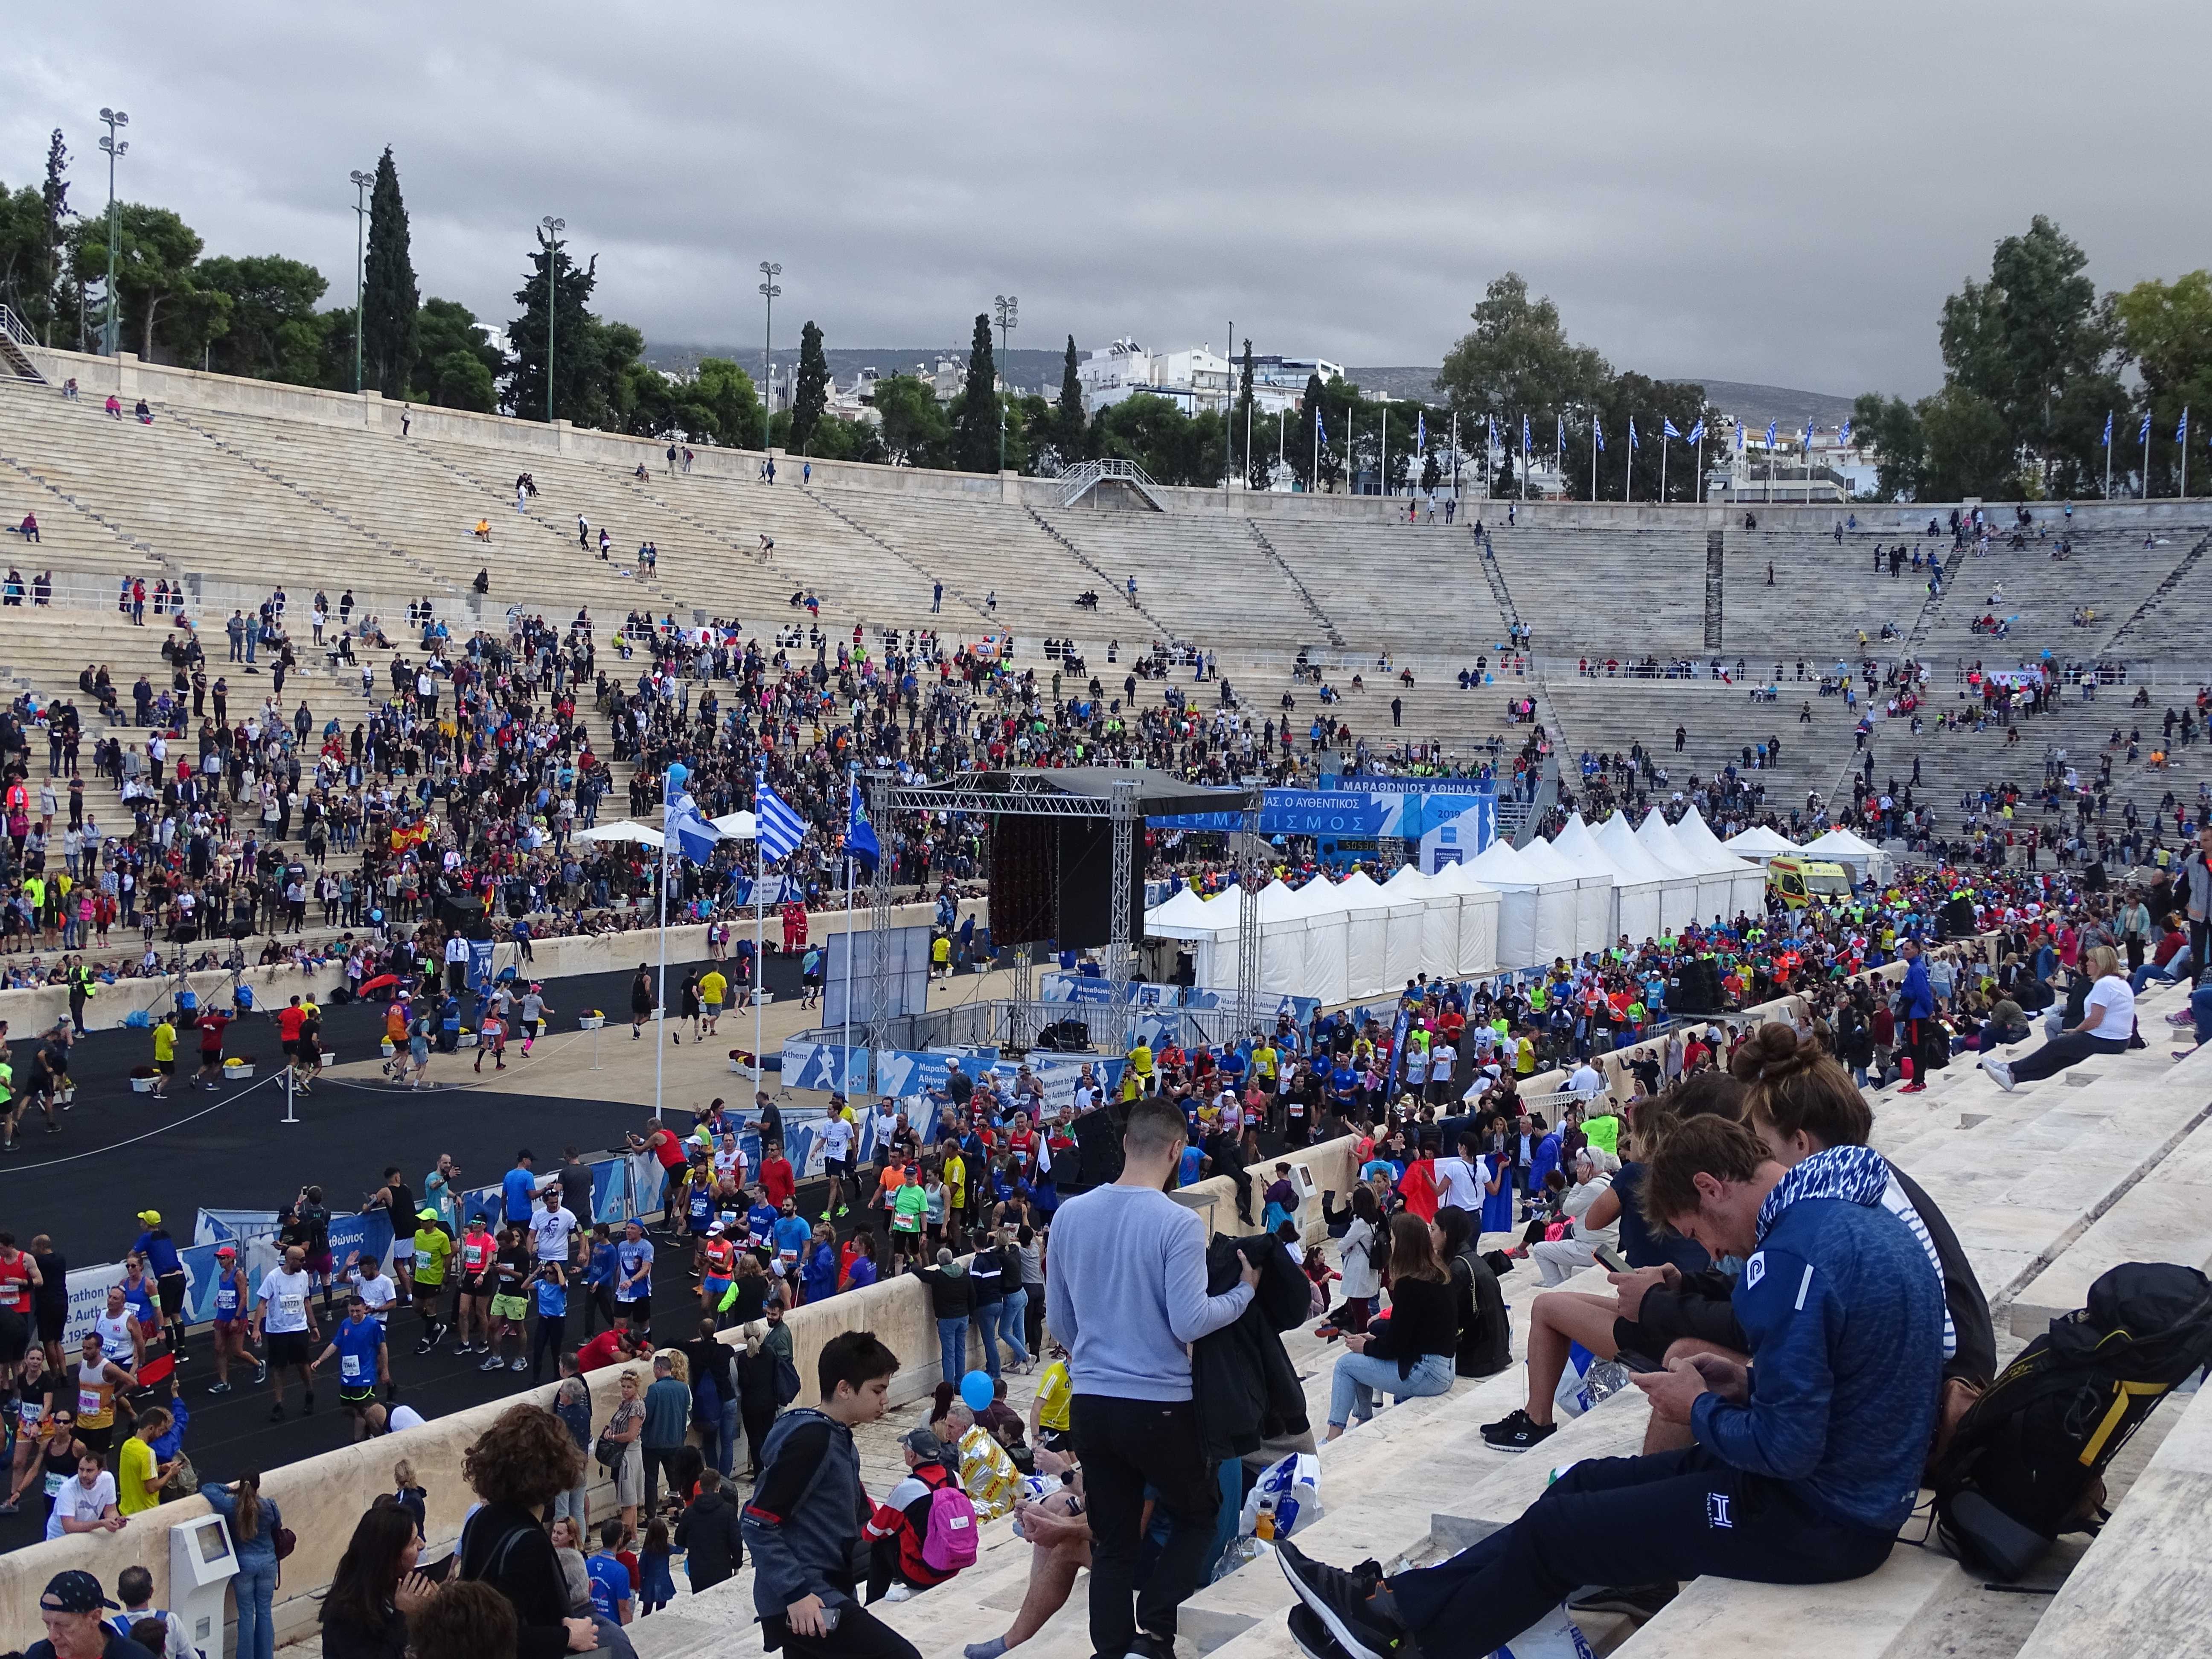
<point>714,986</point>
<point>164,1054</point>
<point>434,1249</point>
<point>1137,1078</point>
<point>138,1478</point>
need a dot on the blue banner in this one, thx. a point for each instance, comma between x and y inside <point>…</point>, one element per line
<point>1404,809</point>
<point>480,975</point>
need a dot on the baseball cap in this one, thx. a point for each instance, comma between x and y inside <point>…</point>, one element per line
<point>920,1442</point>
<point>713,1230</point>
<point>222,1250</point>
<point>151,1217</point>
<point>425,1214</point>
<point>74,1592</point>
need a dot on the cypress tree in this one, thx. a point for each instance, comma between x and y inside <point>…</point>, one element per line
<point>390,303</point>
<point>1069,414</point>
<point>976,425</point>
<point>811,395</point>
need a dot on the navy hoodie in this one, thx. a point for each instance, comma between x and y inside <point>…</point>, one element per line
<point>1846,1329</point>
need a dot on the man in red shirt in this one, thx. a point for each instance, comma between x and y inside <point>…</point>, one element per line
<point>212,1025</point>
<point>289,1021</point>
<point>776,1180</point>
<point>610,1347</point>
<point>18,1274</point>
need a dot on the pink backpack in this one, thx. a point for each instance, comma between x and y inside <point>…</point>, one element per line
<point>948,1544</point>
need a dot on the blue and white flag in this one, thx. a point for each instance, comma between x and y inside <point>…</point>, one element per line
<point>2108,429</point>
<point>779,829</point>
<point>1667,426</point>
<point>1560,439</point>
<point>1843,433</point>
<point>860,834</point>
<point>1421,431</point>
<point>1597,432</point>
<point>1697,433</point>
<point>689,835</point>
<point>1809,430</point>
<point>1739,437</point>
<point>1631,432</point>
<point>1524,434</point>
<point>2143,437</point>
<point>2181,432</point>
<point>1770,426</point>
<point>1321,426</point>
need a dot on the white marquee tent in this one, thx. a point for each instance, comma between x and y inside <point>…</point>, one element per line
<point>1713,885</point>
<point>1636,899</point>
<point>1593,891</point>
<point>1747,880</point>
<point>1758,843</point>
<point>1459,923</point>
<point>1328,940</point>
<point>1842,847</point>
<point>1537,912</point>
<point>1677,888</point>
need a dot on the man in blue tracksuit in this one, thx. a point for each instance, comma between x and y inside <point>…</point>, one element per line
<point>1915,1005</point>
<point>1804,1465</point>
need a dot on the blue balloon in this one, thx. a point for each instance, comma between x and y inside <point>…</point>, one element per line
<point>678,774</point>
<point>976,1389</point>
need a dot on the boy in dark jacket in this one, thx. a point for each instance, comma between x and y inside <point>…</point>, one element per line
<point>711,1533</point>
<point>805,1515</point>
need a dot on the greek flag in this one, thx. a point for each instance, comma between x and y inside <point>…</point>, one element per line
<point>1697,433</point>
<point>1597,432</point>
<point>1667,426</point>
<point>1490,422</point>
<point>1843,433</point>
<point>1524,434</point>
<point>689,836</point>
<point>860,834</point>
<point>1633,444</point>
<point>2143,437</point>
<point>1560,439</point>
<point>779,829</point>
<point>1770,426</point>
<point>1809,430</point>
<point>1321,426</point>
<point>1421,433</point>
<point>2108,429</point>
<point>1739,437</point>
<point>2181,432</point>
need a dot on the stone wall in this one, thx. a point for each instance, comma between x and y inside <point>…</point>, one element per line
<point>322,1497</point>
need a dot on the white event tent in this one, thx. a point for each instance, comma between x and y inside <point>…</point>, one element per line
<point>1677,888</point>
<point>1635,895</point>
<point>1758,843</point>
<point>1535,912</point>
<point>1842,847</point>
<point>1593,891</point>
<point>1327,940</point>
<point>1458,918</point>
<point>1713,885</point>
<point>1747,880</point>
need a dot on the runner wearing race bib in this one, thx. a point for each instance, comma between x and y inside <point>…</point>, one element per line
<point>231,1316</point>
<point>286,1318</point>
<point>363,1361</point>
<point>478,1252</point>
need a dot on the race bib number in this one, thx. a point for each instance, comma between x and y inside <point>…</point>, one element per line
<point>89,1403</point>
<point>292,1307</point>
<point>350,1368</point>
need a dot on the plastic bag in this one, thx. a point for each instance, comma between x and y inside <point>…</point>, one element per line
<point>1555,1636</point>
<point>1291,1488</point>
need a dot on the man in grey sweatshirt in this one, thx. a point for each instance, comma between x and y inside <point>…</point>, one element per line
<point>1125,1290</point>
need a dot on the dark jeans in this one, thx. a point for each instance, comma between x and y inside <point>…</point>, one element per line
<point>1126,1445</point>
<point>658,1458</point>
<point>860,1635</point>
<point>1674,1514</point>
<point>2067,1048</point>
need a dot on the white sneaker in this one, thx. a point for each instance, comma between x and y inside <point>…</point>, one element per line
<point>899,1593</point>
<point>2000,1070</point>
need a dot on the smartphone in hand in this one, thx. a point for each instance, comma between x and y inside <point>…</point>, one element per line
<point>1609,1259</point>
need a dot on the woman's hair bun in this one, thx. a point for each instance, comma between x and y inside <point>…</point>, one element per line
<point>1771,1053</point>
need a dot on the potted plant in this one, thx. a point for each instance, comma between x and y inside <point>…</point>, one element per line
<point>141,1079</point>
<point>589,1020</point>
<point>238,1068</point>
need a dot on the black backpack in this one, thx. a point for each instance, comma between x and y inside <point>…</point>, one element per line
<point>2027,1462</point>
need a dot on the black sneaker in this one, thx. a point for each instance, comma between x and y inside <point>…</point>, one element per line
<point>1517,1433</point>
<point>1312,1636</point>
<point>1341,1600</point>
<point>1638,1601</point>
<point>308,1410</point>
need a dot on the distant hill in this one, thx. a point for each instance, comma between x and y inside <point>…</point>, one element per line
<point>1755,406</point>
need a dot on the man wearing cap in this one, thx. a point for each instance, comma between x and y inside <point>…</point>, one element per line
<point>718,1267</point>
<point>900,1526</point>
<point>71,1609</point>
<point>159,1251</point>
<point>232,1316</point>
<point>434,1250</point>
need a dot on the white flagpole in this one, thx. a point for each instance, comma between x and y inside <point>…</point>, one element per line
<point>1628,472</point>
<point>1698,493</point>
<point>1662,463</point>
<point>2146,436</point>
<point>2184,493</point>
<point>1593,459</point>
<point>1382,466</point>
<point>2108,455</point>
<point>1455,452</point>
<point>1524,458</point>
<point>760,941</point>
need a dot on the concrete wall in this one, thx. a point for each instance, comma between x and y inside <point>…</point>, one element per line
<point>322,1497</point>
<point>130,378</point>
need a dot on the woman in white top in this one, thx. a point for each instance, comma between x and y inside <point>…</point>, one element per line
<point>1560,1259</point>
<point>2108,1021</point>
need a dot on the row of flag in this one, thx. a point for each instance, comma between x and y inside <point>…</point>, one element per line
<point>777,825</point>
<point>2180,430</point>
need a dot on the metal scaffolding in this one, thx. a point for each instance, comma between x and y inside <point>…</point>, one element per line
<point>1251,858</point>
<point>1120,948</point>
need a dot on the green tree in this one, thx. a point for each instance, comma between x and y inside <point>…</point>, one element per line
<point>911,423</point>
<point>722,405</point>
<point>578,381</point>
<point>1258,471</point>
<point>1068,438</point>
<point>455,367</point>
<point>1517,360</point>
<point>270,328</point>
<point>24,253</point>
<point>1891,428</point>
<point>975,411</point>
<point>812,394</point>
<point>53,197</point>
<point>2025,343</point>
<point>2166,329</point>
<point>1970,450</point>
<point>391,303</point>
<point>155,253</point>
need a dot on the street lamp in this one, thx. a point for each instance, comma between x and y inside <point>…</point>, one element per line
<point>552,229</point>
<point>115,148</point>
<point>769,292</point>
<point>1008,309</point>
<point>361,181</point>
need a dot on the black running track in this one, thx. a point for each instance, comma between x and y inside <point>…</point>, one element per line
<point>120,1152</point>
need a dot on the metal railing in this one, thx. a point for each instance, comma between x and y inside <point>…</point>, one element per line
<point>20,342</point>
<point>1078,480</point>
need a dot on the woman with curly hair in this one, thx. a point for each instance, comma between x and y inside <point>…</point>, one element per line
<point>518,1466</point>
<point>465,1621</point>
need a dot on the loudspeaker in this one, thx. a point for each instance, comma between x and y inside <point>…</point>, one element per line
<point>2093,880</point>
<point>1098,1146</point>
<point>1065,1037</point>
<point>1696,989</point>
<point>1959,918</point>
<point>1051,880</point>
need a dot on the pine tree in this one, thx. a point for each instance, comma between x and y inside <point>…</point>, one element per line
<point>811,395</point>
<point>54,197</point>
<point>975,423</point>
<point>1302,457</point>
<point>1068,416</point>
<point>1257,474</point>
<point>575,372</point>
<point>390,302</point>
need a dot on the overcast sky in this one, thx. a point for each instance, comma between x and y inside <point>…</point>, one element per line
<point>1778,194</point>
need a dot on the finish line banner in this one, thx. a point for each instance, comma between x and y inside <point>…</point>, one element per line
<point>1364,813</point>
